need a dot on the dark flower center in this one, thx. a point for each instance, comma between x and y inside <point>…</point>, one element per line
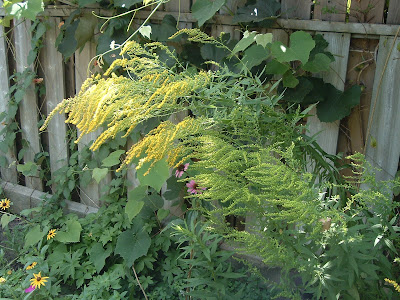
<point>181,167</point>
<point>39,278</point>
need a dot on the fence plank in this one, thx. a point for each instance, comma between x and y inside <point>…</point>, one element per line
<point>330,10</point>
<point>296,9</point>
<point>55,92</point>
<point>180,6</point>
<point>367,11</point>
<point>28,107</point>
<point>393,12</point>
<point>90,195</point>
<point>9,172</point>
<point>384,116</point>
<point>339,45</point>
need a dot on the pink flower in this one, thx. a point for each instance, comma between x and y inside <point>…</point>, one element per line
<point>193,188</point>
<point>30,289</point>
<point>180,170</point>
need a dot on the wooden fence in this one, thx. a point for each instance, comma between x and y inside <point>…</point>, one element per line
<point>363,36</point>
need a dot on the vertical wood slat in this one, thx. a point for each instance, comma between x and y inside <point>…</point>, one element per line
<point>91,194</point>
<point>384,116</point>
<point>330,10</point>
<point>367,11</point>
<point>28,107</point>
<point>393,12</point>
<point>8,173</point>
<point>182,6</point>
<point>55,92</point>
<point>296,9</point>
<point>339,44</point>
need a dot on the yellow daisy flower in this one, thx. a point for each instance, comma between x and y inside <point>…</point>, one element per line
<point>38,280</point>
<point>2,280</point>
<point>52,233</point>
<point>31,266</point>
<point>5,203</point>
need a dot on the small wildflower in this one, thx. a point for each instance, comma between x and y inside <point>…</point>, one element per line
<point>9,272</point>
<point>394,283</point>
<point>2,280</point>
<point>60,24</point>
<point>181,169</point>
<point>112,45</point>
<point>30,289</point>
<point>193,188</point>
<point>52,233</point>
<point>31,266</point>
<point>38,280</point>
<point>37,80</point>
<point>5,203</point>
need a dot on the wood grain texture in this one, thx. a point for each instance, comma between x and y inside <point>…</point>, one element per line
<point>328,133</point>
<point>9,172</point>
<point>53,67</point>
<point>330,10</point>
<point>28,107</point>
<point>384,116</point>
<point>393,12</point>
<point>367,11</point>
<point>91,194</point>
<point>296,9</point>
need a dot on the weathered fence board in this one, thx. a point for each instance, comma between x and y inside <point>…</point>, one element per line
<point>330,10</point>
<point>296,9</point>
<point>393,12</point>
<point>53,68</point>
<point>91,194</point>
<point>367,11</point>
<point>384,118</point>
<point>28,107</point>
<point>9,172</point>
<point>339,45</point>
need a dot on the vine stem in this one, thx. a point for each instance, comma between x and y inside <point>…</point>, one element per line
<point>137,279</point>
<point>129,38</point>
<point>367,135</point>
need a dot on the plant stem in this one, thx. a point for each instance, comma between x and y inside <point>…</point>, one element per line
<point>137,279</point>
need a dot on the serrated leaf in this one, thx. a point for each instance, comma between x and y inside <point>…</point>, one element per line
<point>301,44</point>
<point>320,63</point>
<point>338,105</point>
<point>263,39</point>
<point>203,10</point>
<point>145,31</point>
<point>28,169</point>
<point>98,255</point>
<point>72,233</point>
<point>34,236</point>
<point>98,174</point>
<point>132,245</point>
<point>157,175</point>
<point>5,219</point>
<point>113,158</point>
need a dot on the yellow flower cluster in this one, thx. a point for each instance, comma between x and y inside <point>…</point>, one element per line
<point>2,280</point>
<point>394,283</point>
<point>161,142</point>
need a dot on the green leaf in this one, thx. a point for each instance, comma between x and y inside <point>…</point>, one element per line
<point>203,10</point>
<point>162,213</point>
<point>339,104</point>
<point>113,158</point>
<point>254,56</point>
<point>99,174</point>
<point>126,3</point>
<point>297,94</point>
<point>69,44</point>
<point>246,41</point>
<point>85,30</point>
<point>28,211</point>
<point>263,39</point>
<point>98,255</point>
<point>212,52</point>
<point>34,236</point>
<point>83,3</point>
<point>161,32</point>
<point>320,63</point>
<point>28,169</point>
<point>301,44</point>
<point>72,233</point>
<point>133,207</point>
<point>145,31</point>
<point>260,11</point>
<point>289,80</point>
<point>174,189</point>
<point>131,245</point>
<point>276,68</point>
<point>7,218</point>
<point>157,176</point>
<point>26,9</point>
